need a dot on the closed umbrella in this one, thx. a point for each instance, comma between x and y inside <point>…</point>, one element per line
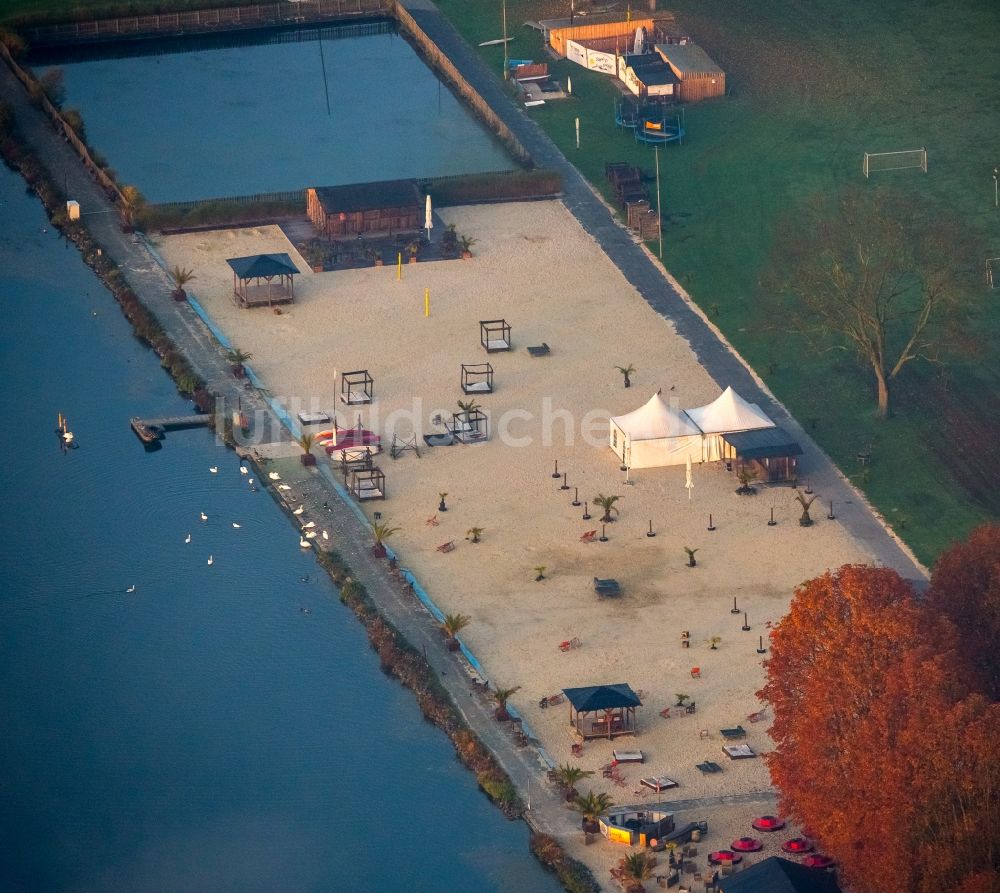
<point>689,483</point>
<point>428,222</point>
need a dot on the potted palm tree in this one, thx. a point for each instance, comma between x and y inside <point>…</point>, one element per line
<point>636,868</point>
<point>237,358</point>
<point>381,531</point>
<point>465,244</point>
<point>307,441</point>
<point>627,372</point>
<point>449,241</point>
<point>540,573</point>
<point>412,249</point>
<point>690,555</point>
<point>805,502</point>
<point>590,806</point>
<point>180,277</point>
<point>746,477</point>
<point>451,626</point>
<point>568,775</point>
<point>474,533</point>
<point>502,696</point>
<point>607,503</point>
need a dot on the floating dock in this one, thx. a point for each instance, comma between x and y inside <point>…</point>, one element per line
<point>152,430</point>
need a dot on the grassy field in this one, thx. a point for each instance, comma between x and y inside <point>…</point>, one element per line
<point>812,86</point>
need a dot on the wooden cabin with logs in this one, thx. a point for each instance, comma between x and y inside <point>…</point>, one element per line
<point>387,207</point>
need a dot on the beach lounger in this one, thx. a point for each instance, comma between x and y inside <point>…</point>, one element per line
<point>540,350</point>
<point>733,734</point>
<point>708,767</point>
<point>433,440</point>
<point>589,536</point>
<point>576,749</point>
<point>446,547</point>
<point>606,587</point>
<point>757,717</point>
<point>696,672</point>
<point>627,756</point>
<point>569,644</point>
<point>665,713</point>
<point>739,751</point>
<point>658,783</point>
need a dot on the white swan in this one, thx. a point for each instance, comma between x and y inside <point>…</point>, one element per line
<point>284,487</point>
<point>204,517</point>
<point>309,525</point>
<point>131,588</point>
<point>214,469</point>
<point>304,543</point>
<point>311,535</point>
<point>274,476</point>
<point>250,482</point>
<point>187,539</point>
<point>299,510</point>
<point>244,470</point>
<point>326,536</point>
<point>211,560</point>
<point>237,526</point>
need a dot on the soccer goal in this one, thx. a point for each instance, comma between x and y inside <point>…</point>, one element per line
<point>895,161</point>
<point>993,272</point>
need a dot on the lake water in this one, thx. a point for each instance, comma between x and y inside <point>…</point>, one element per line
<point>217,120</point>
<point>201,733</point>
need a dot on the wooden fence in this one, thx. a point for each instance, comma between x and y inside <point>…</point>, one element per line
<point>35,90</point>
<point>447,68</point>
<point>204,20</point>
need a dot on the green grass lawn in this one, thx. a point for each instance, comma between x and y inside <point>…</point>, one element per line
<point>813,84</point>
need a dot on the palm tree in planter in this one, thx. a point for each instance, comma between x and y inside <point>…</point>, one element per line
<point>590,806</point>
<point>468,407</point>
<point>805,502</point>
<point>381,531</point>
<point>180,277</point>
<point>473,534</point>
<point>452,625</point>
<point>237,358</point>
<point>413,248</point>
<point>449,240</point>
<point>465,244</point>
<point>690,555</point>
<point>502,696</point>
<point>540,573</point>
<point>607,503</point>
<point>307,442</point>
<point>636,868</point>
<point>568,775</point>
<point>627,372</point>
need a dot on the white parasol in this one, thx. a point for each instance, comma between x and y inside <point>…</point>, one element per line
<point>428,222</point>
<point>689,483</point>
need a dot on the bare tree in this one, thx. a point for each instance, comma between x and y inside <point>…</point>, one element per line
<point>878,277</point>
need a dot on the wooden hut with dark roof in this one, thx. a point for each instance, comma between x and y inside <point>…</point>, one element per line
<point>602,711</point>
<point>391,206</point>
<point>700,77</point>
<point>261,279</point>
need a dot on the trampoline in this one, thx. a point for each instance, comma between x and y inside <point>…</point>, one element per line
<point>659,132</point>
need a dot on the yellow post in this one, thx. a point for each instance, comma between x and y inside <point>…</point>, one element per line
<point>427,302</point>
<point>399,266</point>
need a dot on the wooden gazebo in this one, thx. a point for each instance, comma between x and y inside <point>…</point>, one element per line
<point>263,279</point>
<point>603,711</point>
<point>477,378</point>
<point>770,454</point>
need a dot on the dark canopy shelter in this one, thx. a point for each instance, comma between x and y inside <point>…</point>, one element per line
<point>254,279</point>
<point>768,452</point>
<point>390,206</point>
<point>777,875</point>
<point>603,711</point>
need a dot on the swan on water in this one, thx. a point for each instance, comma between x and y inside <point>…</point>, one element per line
<point>309,525</point>
<point>274,476</point>
<point>187,539</point>
<point>211,560</point>
<point>214,469</point>
<point>299,510</point>
<point>131,588</point>
<point>244,470</point>
<point>304,543</point>
<point>237,526</point>
<point>250,482</point>
<point>204,517</point>
<point>311,535</point>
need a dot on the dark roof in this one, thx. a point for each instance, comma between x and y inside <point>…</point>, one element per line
<point>262,265</point>
<point>762,443</point>
<point>602,697</point>
<point>777,875</point>
<point>368,196</point>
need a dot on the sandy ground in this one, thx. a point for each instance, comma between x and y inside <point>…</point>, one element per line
<point>536,267</point>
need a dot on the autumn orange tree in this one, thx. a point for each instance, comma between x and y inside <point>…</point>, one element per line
<point>965,587</point>
<point>882,753</point>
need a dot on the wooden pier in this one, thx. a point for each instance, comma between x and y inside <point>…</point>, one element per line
<point>152,430</point>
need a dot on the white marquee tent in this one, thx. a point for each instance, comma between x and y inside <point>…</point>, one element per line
<point>727,414</point>
<point>655,435</point>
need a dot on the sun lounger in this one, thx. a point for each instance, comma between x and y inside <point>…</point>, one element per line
<point>540,350</point>
<point>313,418</point>
<point>658,783</point>
<point>708,767</point>
<point>733,734</point>
<point>569,644</point>
<point>433,440</point>
<point>739,751</point>
<point>756,717</point>
<point>627,756</point>
<point>589,536</point>
<point>606,587</point>
<point>446,547</point>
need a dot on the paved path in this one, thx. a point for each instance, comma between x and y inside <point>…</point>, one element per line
<point>649,279</point>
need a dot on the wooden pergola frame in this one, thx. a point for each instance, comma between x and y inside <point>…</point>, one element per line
<point>477,378</point>
<point>356,388</point>
<point>470,427</point>
<point>613,721</point>
<point>368,483</point>
<point>494,335</point>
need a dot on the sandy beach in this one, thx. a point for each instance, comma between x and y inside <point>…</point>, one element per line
<point>535,267</point>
